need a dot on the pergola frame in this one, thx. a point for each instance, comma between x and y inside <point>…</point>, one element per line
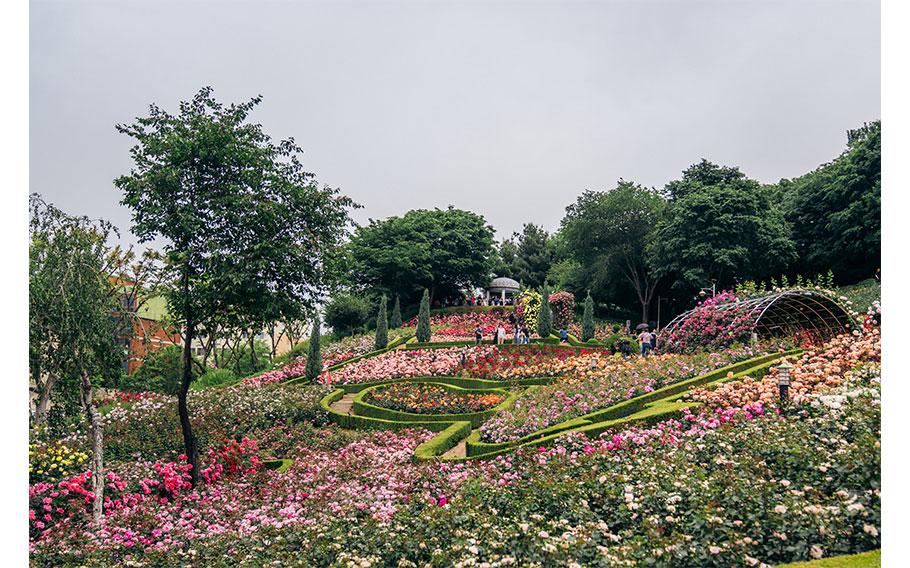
<point>785,313</point>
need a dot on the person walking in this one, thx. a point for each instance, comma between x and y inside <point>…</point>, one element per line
<point>625,348</point>
<point>478,335</point>
<point>525,335</point>
<point>644,342</point>
<point>563,335</point>
<point>654,340</point>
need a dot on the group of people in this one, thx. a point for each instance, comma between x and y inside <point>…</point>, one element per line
<point>647,342</point>
<point>522,335</point>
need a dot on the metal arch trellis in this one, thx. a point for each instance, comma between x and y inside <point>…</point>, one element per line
<point>785,312</point>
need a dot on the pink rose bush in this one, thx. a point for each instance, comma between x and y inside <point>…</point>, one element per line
<point>710,327</point>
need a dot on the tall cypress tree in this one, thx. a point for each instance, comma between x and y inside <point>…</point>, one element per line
<point>587,320</point>
<point>382,325</point>
<point>545,318</point>
<point>395,322</point>
<point>314,355</point>
<point>423,317</point>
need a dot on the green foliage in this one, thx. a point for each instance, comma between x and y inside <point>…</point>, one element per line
<point>545,317</point>
<point>71,331</point>
<point>720,225</point>
<point>423,318</point>
<point>444,251</point>
<point>835,210</point>
<point>242,360</point>
<point>248,235</point>
<point>587,320</point>
<point>395,321</point>
<point>314,355</point>
<point>527,256</point>
<point>161,372</point>
<point>214,378</point>
<point>382,325</point>
<point>607,233</point>
<point>347,314</point>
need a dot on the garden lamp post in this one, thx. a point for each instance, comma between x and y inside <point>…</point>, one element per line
<point>783,380</point>
<point>703,292</point>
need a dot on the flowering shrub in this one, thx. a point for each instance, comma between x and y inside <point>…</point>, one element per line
<point>151,427</point>
<point>734,487</point>
<point>594,382</point>
<point>406,363</point>
<point>520,362</point>
<point>461,326</point>
<point>431,399</point>
<point>562,304</point>
<point>109,397</point>
<point>818,369</point>
<point>232,458</point>
<point>51,461</point>
<point>527,308</point>
<point>711,328</point>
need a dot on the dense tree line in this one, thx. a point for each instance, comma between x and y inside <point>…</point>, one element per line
<point>627,246</point>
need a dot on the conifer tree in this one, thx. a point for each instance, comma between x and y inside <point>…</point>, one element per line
<point>314,355</point>
<point>395,322</point>
<point>545,318</point>
<point>587,320</point>
<point>423,318</point>
<point>382,325</point>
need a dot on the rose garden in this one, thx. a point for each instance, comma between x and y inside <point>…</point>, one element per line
<point>426,415</point>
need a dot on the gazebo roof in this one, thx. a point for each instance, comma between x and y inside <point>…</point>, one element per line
<point>503,283</point>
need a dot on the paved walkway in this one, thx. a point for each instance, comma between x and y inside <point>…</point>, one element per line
<point>344,404</point>
<point>459,451</point>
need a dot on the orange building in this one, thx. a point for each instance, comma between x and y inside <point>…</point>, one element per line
<point>142,330</point>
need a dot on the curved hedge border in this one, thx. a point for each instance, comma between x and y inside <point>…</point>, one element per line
<point>652,407</point>
<point>363,408</point>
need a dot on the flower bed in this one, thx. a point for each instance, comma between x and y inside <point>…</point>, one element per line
<point>419,398</point>
<point>818,369</point>
<point>591,382</point>
<point>461,326</point>
<point>729,487</point>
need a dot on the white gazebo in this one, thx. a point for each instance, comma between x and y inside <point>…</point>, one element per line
<point>502,286</point>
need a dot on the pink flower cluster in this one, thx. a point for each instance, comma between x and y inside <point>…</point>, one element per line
<point>408,363</point>
<point>715,323</point>
<point>461,326</point>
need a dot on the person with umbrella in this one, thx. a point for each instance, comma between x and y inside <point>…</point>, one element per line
<point>644,339</point>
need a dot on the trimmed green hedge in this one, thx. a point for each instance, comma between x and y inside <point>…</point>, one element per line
<point>443,442</point>
<point>475,418</point>
<point>367,423</point>
<point>871,559</point>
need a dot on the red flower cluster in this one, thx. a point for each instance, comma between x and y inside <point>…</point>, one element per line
<point>231,458</point>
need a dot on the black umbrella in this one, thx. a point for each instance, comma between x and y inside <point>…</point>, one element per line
<point>641,327</point>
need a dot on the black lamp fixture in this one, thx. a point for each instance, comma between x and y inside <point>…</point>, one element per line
<point>783,380</point>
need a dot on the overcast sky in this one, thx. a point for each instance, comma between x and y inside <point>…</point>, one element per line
<point>510,110</point>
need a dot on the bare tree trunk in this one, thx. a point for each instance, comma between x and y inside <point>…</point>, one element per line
<point>253,359</point>
<point>43,406</point>
<point>189,440</point>
<point>94,419</point>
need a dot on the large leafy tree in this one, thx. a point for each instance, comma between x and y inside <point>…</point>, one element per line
<point>720,226</point>
<point>835,210</point>
<point>607,233</point>
<point>347,313</point>
<point>247,233</point>
<point>442,250</point>
<point>527,256</point>
<point>71,329</point>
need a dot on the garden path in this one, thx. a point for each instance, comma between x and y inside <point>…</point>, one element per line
<point>459,451</point>
<point>344,404</point>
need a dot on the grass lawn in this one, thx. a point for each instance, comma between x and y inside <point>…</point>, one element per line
<point>870,559</point>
